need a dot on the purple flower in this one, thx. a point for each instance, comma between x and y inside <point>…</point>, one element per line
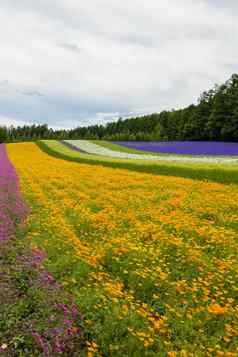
<point>184,147</point>
<point>12,208</point>
<point>41,343</point>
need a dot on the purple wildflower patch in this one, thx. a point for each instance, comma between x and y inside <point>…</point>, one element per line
<point>13,211</point>
<point>184,147</point>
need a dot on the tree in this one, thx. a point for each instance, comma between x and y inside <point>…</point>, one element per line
<point>3,134</point>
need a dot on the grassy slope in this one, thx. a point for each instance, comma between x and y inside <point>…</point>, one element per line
<point>216,173</point>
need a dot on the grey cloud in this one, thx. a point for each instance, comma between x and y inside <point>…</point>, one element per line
<point>70,47</point>
<point>12,88</point>
<point>33,93</point>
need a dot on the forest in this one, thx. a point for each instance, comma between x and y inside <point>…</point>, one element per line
<point>213,118</point>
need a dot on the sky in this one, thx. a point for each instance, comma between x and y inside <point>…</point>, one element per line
<point>72,63</point>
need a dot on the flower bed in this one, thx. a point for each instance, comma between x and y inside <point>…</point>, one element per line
<point>12,208</point>
<point>37,317</point>
<point>206,148</point>
<point>92,148</point>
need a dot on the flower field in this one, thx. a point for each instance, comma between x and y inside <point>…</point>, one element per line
<point>184,147</point>
<point>150,260</point>
<point>93,148</point>
<point>37,317</point>
<point>214,171</point>
<point>86,146</point>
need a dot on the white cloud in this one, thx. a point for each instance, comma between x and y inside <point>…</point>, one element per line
<point>66,62</point>
<point>6,121</point>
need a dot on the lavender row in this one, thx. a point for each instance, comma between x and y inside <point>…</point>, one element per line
<point>12,208</point>
<point>184,147</point>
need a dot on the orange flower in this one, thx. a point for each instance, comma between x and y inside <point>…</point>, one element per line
<point>172,354</point>
<point>216,309</point>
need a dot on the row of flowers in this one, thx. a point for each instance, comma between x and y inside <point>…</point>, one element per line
<point>204,148</point>
<point>92,148</point>
<point>37,317</point>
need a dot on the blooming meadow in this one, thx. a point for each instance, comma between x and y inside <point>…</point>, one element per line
<point>214,171</point>
<point>150,260</point>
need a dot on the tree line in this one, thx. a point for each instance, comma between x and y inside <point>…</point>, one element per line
<point>214,117</point>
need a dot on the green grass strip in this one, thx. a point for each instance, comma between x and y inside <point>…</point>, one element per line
<point>207,172</point>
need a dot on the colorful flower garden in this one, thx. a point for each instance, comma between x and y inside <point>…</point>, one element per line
<point>179,151</point>
<point>108,256</point>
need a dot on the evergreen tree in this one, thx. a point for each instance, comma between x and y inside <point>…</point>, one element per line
<point>3,134</point>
